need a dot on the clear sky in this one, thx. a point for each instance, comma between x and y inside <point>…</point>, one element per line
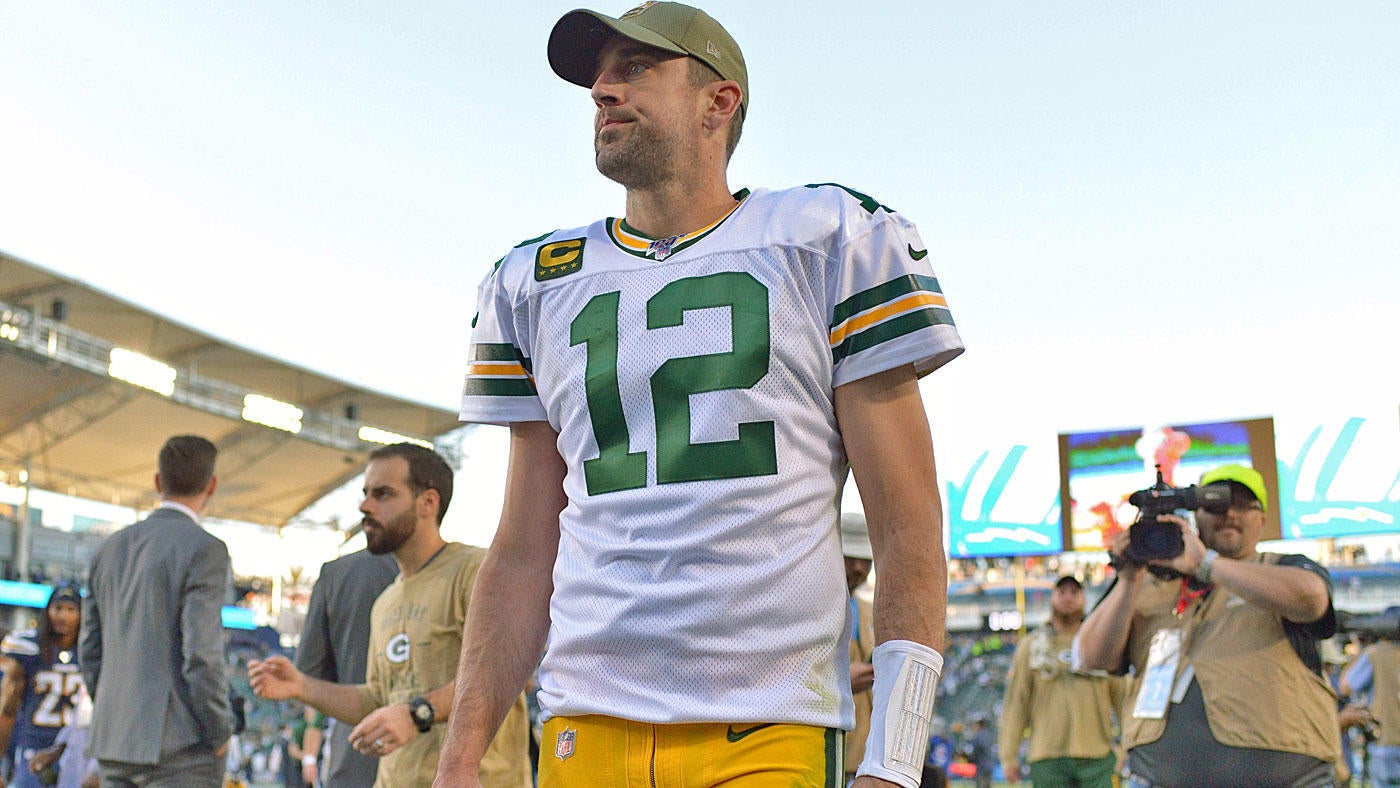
<point>1141,212</point>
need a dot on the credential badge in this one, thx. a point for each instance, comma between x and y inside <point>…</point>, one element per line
<point>564,745</point>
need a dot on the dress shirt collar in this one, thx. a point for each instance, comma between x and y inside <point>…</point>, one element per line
<point>179,507</point>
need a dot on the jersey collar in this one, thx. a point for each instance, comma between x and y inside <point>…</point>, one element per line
<point>629,240</point>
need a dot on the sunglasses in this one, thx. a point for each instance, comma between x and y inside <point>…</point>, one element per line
<point>1222,508</point>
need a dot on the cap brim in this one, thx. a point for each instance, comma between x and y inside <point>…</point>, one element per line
<point>578,37</point>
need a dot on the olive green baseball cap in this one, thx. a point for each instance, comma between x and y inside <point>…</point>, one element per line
<point>578,37</point>
<point>1239,474</point>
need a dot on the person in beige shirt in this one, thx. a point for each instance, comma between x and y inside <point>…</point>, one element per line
<point>415,635</point>
<point>1068,712</point>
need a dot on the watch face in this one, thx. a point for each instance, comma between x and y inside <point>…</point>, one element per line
<point>422,712</point>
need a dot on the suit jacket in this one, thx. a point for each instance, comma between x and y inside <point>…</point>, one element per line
<point>152,648</point>
<point>335,643</point>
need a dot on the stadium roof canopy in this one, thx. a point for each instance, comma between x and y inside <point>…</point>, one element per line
<point>91,386</point>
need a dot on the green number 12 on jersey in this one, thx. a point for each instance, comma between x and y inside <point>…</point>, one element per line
<point>753,453</point>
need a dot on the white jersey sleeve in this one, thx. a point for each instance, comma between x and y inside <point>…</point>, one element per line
<point>500,383</point>
<point>887,308</point>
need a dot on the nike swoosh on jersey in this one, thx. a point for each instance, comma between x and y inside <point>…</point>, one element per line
<point>734,736</point>
<point>919,255</point>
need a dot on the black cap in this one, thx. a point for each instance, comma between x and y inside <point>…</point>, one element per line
<point>1070,579</point>
<point>66,592</point>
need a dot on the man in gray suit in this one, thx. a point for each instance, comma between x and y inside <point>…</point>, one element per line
<point>152,649</point>
<point>334,647</point>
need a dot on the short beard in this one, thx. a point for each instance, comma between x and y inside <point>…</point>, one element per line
<point>642,162</point>
<point>391,535</point>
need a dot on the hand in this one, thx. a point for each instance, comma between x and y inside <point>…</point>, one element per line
<point>862,676</point>
<point>44,758</point>
<point>1190,559</point>
<point>1013,774</point>
<point>1348,717</point>
<point>275,678</point>
<point>384,730</point>
<point>308,773</point>
<point>222,749</point>
<point>1128,569</point>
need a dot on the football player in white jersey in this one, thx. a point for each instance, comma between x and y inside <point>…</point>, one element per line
<point>686,388</point>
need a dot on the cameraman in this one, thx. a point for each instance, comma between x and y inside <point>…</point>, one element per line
<point>1223,641</point>
<point>1377,673</point>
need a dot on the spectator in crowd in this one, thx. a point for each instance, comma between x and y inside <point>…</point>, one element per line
<point>855,547</point>
<point>67,755</point>
<point>686,388</point>
<point>982,751</point>
<point>1376,673</point>
<point>41,681</point>
<point>1223,640</point>
<point>334,647</point>
<point>415,634</point>
<point>152,650</point>
<point>1069,712</point>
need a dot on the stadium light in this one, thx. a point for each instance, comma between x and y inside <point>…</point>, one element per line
<point>9,326</point>
<point>370,434</point>
<point>272,413</point>
<point>143,371</point>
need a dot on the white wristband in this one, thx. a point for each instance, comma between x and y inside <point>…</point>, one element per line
<point>308,760</point>
<point>906,679</point>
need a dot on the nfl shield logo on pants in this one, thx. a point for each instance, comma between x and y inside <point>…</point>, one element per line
<point>564,745</point>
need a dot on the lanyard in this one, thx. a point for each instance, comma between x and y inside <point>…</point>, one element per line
<point>1189,595</point>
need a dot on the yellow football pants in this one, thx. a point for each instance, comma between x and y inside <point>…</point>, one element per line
<point>607,752</point>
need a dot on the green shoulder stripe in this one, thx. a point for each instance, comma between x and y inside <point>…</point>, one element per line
<point>870,204</point>
<point>875,296</point>
<point>498,387</point>
<point>536,239</point>
<point>500,351</point>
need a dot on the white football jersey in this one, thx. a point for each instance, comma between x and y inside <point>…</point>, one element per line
<point>699,575</point>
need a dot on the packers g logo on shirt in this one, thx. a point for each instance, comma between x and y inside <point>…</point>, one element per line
<point>560,258</point>
<point>397,650</point>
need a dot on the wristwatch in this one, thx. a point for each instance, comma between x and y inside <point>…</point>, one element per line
<point>422,713</point>
<point>1203,571</point>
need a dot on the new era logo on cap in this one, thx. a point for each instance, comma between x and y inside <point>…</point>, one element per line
<point>711,49</point>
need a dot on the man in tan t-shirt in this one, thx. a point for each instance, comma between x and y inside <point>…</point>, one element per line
<point>415,634</point>
<point>1067,711</point>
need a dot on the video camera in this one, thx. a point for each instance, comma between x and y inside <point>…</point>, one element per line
<point>1376,626</point>
<point>1150,538</point>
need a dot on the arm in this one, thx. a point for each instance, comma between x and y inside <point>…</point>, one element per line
<point>886,435</point>
<point>509,617</point>
<point>202,639</point>
<point>1102,642</point>
<point>1295,594</point>
<point>11,693</point>
<point>388,728</point>
<point>1015,711</point>
<point>276,678</point>
<point>311,742</point>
